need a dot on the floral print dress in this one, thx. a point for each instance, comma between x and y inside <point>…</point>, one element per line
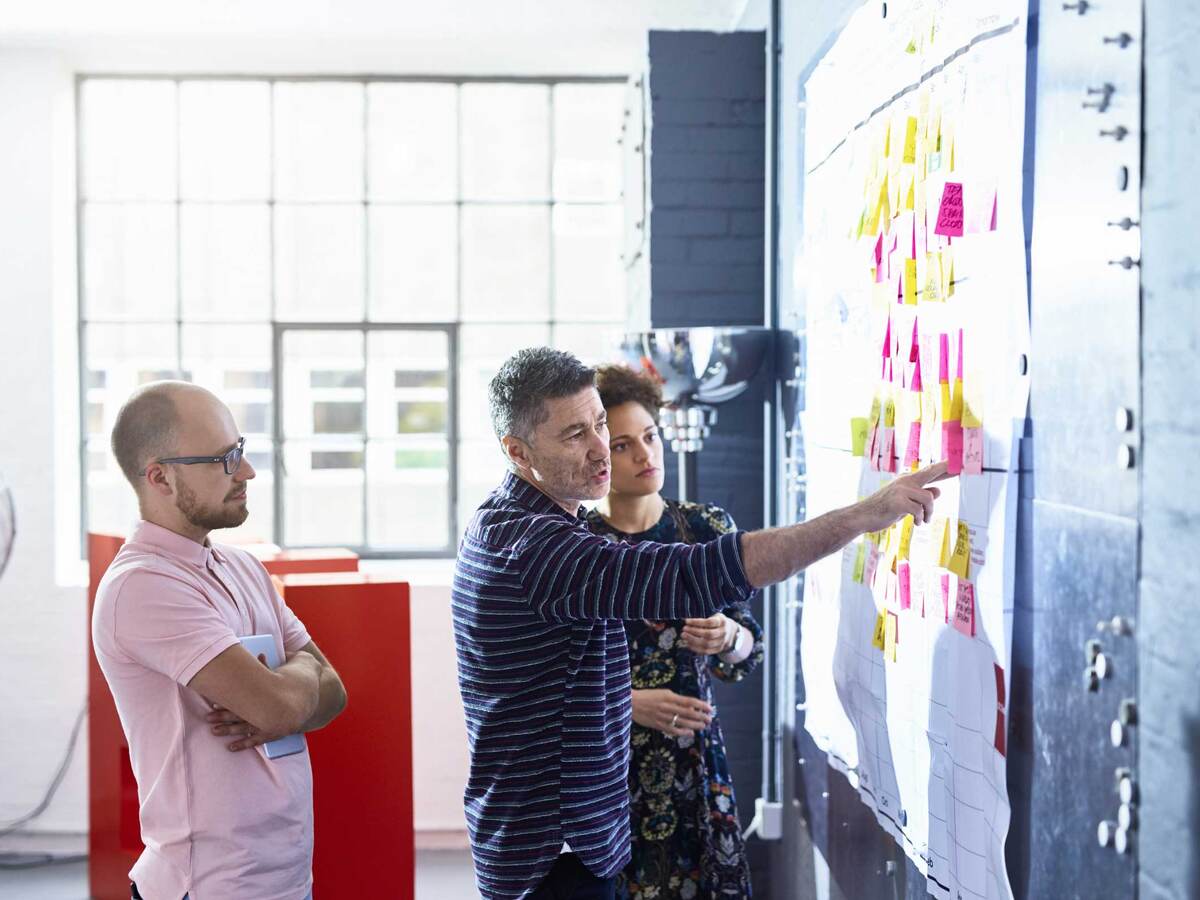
<point>686,839</point>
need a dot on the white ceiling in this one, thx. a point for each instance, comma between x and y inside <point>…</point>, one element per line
<point>362,36</point>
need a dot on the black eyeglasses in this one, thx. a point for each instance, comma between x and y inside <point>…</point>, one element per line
<point>229,461</point>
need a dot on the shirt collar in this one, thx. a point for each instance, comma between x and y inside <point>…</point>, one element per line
<point>172,544</point>
<point>531,498</point>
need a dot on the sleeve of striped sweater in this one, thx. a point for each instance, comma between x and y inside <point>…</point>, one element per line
<point>570,574</point>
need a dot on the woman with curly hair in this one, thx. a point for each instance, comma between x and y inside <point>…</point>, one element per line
<point>686,839</point>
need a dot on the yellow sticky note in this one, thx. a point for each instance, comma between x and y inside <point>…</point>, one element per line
<point>972,411</point>
<point>960,560</point>
<point>889,413</point>
<point>887,140</point>
<point>858,435</point>
<point>889,636</point>
<point>860,563</point>
<point>910,200</point>
<point>970,416</point>
<point>875,411</point>
<point>910,282</point>
<point>881,209</point>
<point>942,527</point>
<point>933,277</point>
<point>946,401</point>
<point>910,140</point>
<point>877,637</point>
<point>912,47</point>
<point>956,402</point>
<point>891,548</point>
<point>906,533</point>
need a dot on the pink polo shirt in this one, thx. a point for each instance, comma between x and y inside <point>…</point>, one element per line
<point>217,825</point>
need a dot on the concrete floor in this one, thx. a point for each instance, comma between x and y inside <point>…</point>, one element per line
<point>441,875</point>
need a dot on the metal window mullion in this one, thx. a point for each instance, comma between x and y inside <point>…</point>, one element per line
<point>178,232</point>
<point>452,436</point>
<point>361,77</point>
<point>458,304</point>
<point>81,321</point>
<point>551,293</point>
<point>366,299</point>
<point>279,471</point>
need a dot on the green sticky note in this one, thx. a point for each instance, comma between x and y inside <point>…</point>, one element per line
<point>858,435</point>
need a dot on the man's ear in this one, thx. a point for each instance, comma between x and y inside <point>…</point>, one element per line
<point>517,452</point>
<point>155,480</point>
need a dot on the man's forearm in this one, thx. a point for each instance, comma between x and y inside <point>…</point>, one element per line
<point>776,554</point>
<point>301,682</point>
<point>331,700</point>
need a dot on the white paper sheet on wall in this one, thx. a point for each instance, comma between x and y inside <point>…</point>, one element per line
<point>913,257</point>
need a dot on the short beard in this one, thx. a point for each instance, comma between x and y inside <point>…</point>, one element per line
<point>202,517</point>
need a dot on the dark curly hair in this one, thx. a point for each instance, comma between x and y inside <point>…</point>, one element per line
<point>619,384</point>
<point>527,379</point>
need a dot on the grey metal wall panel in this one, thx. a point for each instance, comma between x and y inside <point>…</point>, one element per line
<point>1085,567</point>
<point>1085,304</point>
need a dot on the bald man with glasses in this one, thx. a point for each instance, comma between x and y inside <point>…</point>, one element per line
<point>219,818</point>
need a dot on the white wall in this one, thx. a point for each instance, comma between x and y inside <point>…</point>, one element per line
<point>42,624</point>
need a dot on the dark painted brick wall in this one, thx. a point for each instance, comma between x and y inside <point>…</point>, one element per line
<point>707,112</point>
<point>1169,608</point>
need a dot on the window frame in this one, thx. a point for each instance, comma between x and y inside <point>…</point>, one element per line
<point>278,326</point>
<point>365,550</point>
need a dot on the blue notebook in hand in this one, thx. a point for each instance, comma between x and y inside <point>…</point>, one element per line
<point>264,645</point>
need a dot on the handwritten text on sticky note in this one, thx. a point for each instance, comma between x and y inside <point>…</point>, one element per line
<point>950,211</point>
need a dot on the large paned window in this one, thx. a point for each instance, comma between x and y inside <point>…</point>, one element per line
<point>346,263</point>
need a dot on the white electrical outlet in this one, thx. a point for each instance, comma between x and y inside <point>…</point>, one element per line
<point>770,819</point>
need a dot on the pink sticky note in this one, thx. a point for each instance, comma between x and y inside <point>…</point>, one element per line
<point>872,437</point>
<point>871,566</point>
<point>964,608</point>
<point>960,354</point>
<point>887,339</point>
<point>914,348</point>
<point>887,453</point>
<point>952,446</point>
<point>879,249</point>
<point>993,225</point>
<point>950,212</point>
<point>972,463</point>
<point>912,450</point>
<point>946,598</point>
<point>904,581</point>
<point>944,358</point>
<point>916,379</point>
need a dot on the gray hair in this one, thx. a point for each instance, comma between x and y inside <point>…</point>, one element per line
<point>517,394</point>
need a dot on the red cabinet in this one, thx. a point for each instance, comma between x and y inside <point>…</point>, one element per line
<point>362,763</point>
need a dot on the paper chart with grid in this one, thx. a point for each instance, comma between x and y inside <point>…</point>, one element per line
<point>914,129</point>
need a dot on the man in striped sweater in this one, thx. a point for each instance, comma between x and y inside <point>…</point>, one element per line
<point>542,659</point>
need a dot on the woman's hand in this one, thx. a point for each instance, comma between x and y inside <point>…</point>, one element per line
<point>708,636</point>
<point>669,712</point>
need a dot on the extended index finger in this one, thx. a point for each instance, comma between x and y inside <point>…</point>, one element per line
<point>939,471</point>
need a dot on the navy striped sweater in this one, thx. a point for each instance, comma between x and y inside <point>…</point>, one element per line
<point>543,667</point>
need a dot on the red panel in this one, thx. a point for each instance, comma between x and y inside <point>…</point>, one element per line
<point>288,562</point>
<point>114,839</point>
<point>362,762</point>
<point>362,768</point>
